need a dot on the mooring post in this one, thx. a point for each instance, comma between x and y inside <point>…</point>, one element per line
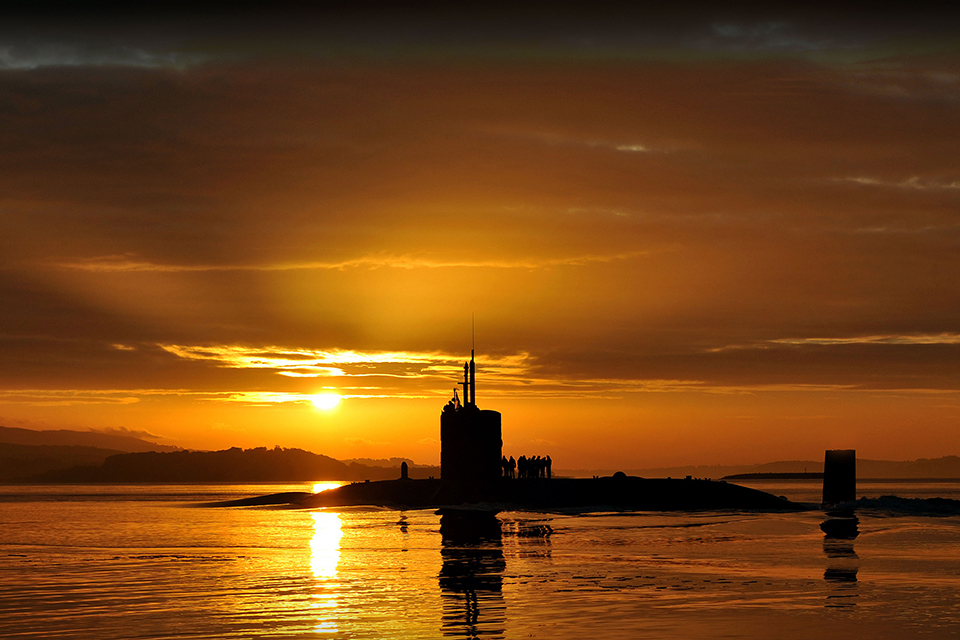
<point>839,476</point>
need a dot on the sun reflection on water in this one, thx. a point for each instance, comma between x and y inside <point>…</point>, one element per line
<point>324,558</point>
<point>325,544</point>
<point>323,486</point>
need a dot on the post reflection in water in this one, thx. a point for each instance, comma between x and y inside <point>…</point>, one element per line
<point>471,576</point>
<point>843,564</point>
<point>324,558</point>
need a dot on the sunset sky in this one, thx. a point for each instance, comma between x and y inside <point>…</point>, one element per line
<point>687,237</point>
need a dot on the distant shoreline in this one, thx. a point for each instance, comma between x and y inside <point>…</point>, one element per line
<point>775,476</point>
<point>80,457</point>
<point>346,481</point>
<point>817,477</point>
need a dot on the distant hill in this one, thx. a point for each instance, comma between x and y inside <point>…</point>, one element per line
<point>945,467</point>
<point>64,437</point>
<point>27,453</point>
<point>775,476</point>
<point>21,462</point>
<point>231,465</point>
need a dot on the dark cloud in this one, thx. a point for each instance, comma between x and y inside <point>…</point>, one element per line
<point>698,199</point>
<point>173,34</point>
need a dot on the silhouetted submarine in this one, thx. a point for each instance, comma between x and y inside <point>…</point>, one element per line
<point>470,479</point>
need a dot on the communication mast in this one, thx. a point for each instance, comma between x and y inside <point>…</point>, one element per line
<point>470,440</point>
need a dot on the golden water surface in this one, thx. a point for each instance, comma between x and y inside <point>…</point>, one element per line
<point>145,562</point>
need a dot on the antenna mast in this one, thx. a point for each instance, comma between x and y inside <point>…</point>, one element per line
<point>473,366</point>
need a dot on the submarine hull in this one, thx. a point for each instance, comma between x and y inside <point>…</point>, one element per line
<point>558,494</point>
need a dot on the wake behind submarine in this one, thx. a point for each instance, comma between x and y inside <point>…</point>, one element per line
<point>471,449</point>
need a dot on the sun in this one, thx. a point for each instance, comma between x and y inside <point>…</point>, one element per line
<point>325,401</point>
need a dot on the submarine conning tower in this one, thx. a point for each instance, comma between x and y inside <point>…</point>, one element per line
<point>470,441</point>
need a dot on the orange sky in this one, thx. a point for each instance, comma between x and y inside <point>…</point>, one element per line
<point>688,238</point>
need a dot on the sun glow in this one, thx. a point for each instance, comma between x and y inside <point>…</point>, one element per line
<point>325,401</point>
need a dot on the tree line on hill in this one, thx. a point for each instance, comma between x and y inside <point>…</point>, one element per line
<point>230,465</point>
<point>28,455</point>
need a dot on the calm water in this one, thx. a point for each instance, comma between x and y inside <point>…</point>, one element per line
<point>144,562</point>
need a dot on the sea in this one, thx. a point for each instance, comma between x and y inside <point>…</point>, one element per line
<point>153,561</point>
